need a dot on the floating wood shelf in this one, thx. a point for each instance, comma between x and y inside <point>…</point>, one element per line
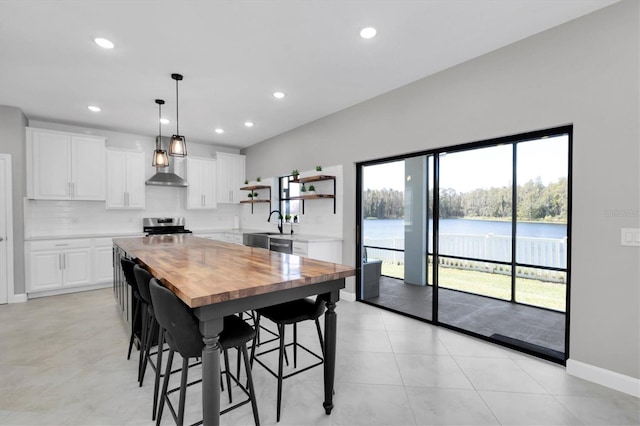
<point>252,201</point>
<point>316,178</point>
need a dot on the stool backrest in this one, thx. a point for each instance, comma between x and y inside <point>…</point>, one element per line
<point>177,319</point>
<point>129,276</point>
<point>142,278</point>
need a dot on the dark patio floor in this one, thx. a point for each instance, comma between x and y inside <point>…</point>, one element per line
<point>535,329</point>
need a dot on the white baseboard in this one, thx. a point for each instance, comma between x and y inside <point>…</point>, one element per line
<point>611,379</point>
<point>347,296</point>
<point>18,298</point>
<point>67,290</point>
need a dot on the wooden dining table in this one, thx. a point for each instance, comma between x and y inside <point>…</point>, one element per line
<point>217,279</point>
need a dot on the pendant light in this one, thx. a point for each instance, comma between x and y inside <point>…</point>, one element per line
<point>160,158</point>
<point>178,145</point>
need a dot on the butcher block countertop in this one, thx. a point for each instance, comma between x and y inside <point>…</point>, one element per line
<point>202,271</point>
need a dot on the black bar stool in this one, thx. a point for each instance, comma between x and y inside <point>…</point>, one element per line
<point>285,314</point>
<point>130,278</point>
<point>182,334</point>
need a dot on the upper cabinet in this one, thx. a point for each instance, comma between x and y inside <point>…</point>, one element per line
<point>229,177</point>
<point>65,166</point>
<point>125,179</point>
<point>201,175</point>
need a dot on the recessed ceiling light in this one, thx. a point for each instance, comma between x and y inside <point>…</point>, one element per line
<point>368,32</point>
<point>219,131</point>
<point>103,42</point>
<point>278,95</point>
<point>94,108</point>
<point>248,124</point>
<point>164,121</point>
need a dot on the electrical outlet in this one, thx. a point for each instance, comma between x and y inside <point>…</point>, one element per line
<point>630,237</point>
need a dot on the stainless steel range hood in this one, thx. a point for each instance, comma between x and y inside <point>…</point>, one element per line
<point>165,176</point>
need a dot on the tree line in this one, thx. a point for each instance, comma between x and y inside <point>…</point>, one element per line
<point>535,201</point>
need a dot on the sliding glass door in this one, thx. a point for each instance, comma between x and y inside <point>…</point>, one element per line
<point>474,237</point>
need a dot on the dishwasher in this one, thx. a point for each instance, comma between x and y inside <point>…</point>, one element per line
<point>281,245</point>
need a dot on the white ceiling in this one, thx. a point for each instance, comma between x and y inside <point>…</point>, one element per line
<point>235,54</point>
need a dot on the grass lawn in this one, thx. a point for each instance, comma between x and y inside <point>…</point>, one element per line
<point>528,291</point>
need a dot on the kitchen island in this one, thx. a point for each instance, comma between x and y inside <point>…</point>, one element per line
<point>217,279</point>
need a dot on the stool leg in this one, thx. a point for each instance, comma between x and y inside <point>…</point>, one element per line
<point>183,390</point>
<point>227,372</point>
<point>295,344</point>
<point>165,385</point>
<point>136,311</point>
<point>320,337</point>
<point>158,372</point>
<point>281,355</point>
<point>252,393</point>
<point>143,344</point>
<point>147,351</point>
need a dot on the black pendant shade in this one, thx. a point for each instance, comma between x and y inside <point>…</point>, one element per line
<point>178,144</point>
<point>160,158</point>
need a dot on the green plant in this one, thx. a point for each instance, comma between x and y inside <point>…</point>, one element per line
<point>255,195</point>
<point>287,217</point>
<point>318,168</point>
<point>259,179</point>
<point>295,218</point>
<point>246,181</point>
<point>303,188</point>
<point>250,195</point>
<point>312,188</point>
<point>279,217</point>
<point>295,173</point>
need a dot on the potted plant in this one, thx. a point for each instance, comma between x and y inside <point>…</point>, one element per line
<point>318,168</point>
<point>259,179</point>
<point>255,195</point>
<point>287,217</point>
<point>311,190</point>
<point>295,173</point>
<point>295,218</point>
<point>246,181</point>
<point>250,195</point>
<point>303,189</point>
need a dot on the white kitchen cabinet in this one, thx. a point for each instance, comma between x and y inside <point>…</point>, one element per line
<point>328,251</point>
<point>102,268</point>
<point>201,175</point>
<point>125,179</point>
<point>230,175</point>
<point>56,264</point>
<point>65,166</point>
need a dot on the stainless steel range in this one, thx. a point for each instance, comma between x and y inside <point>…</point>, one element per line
<point>164,225</point>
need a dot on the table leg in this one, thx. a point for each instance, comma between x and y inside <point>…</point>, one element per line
<point>211,371</point>
<point>330,322</point>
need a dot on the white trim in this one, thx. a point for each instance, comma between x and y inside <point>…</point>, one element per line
<point>17,298</point>
<point>347,296</point>
<point>67,290</point>
<point>6,158</point>
<point>608,378</point>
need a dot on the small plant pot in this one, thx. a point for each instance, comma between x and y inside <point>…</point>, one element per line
<point>310,193</point>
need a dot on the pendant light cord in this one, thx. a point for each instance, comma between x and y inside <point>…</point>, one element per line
<point>159,141</point>
<point>177,112</point>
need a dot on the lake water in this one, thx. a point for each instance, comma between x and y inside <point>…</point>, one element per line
<point>394,228</point>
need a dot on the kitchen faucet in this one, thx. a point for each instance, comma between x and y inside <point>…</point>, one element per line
<point>279,218</point>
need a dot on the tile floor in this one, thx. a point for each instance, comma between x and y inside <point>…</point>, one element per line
<point>63,361</point>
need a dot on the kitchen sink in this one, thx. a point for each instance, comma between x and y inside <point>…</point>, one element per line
<point>257,239</point>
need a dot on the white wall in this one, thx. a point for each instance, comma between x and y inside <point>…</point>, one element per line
<point>584,72</point>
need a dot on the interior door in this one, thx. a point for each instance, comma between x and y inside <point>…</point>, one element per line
<point>6,226</point>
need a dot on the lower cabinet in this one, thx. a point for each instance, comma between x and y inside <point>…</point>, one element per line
<point>57,264</point>
<point>62,266</point>
<point>328,251</point>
